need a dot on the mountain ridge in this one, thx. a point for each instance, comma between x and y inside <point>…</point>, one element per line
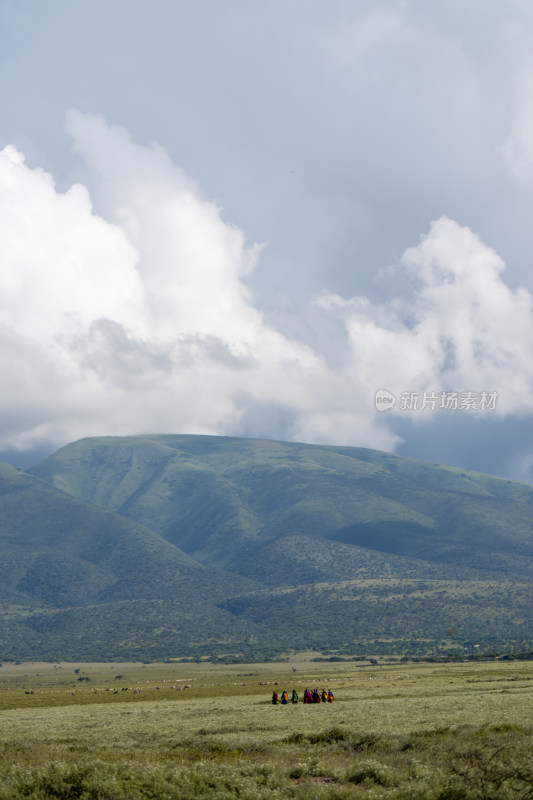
<point>260,490</point>
<point>251,548</point>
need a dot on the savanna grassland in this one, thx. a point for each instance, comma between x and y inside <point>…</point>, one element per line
<point>117,731</point>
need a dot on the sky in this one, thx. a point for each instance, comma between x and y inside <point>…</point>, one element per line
<point>308,221</point>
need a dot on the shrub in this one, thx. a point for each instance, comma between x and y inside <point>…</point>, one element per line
<point>331,735</point>
<point>371,772</point>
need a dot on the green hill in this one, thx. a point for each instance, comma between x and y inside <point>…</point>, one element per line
<point>170,545</point>
<point>224,500</point>
<point>77,581</point>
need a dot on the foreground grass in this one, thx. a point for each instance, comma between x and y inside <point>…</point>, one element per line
<point>441,732</point>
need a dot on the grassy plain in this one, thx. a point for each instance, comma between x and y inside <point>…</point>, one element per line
<point>132,731</point>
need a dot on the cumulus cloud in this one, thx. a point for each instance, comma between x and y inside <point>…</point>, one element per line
<point>138,318</point>
<point>456,327</point>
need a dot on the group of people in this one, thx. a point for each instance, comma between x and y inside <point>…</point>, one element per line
<point>309,697</point>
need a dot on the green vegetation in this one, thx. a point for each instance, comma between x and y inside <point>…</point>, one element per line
<point>155,547</point>
<point>439,732</point>
<point>80,582</point>
<point>230,501</point>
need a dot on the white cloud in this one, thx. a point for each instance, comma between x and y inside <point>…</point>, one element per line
<point>56,255</point>
<point>458,326</point>
<point>139,319</point>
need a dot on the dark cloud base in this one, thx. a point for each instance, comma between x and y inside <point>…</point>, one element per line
<point>27,458</point>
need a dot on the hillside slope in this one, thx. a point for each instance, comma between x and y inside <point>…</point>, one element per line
<point>77,580</point>
<point>231,502</point>
<point>289,546</point>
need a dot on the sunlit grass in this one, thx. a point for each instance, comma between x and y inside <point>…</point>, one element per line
<point>395,731</point>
